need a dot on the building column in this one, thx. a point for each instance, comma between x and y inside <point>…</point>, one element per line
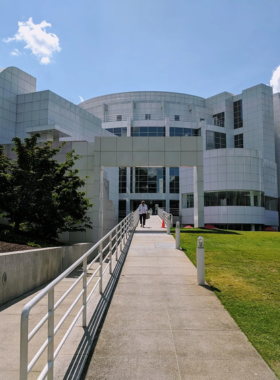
<point>167,189</point>
<point>128,175</point>
<point>98,201</point>
<point>128,127</point>
<point>167,127</point>
<point>251,198</point>
<point>198,196</point>
<point>128,206</point>
<point>101,203</point>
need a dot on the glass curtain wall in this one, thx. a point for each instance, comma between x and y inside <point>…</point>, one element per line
<point>271,204</point>
<point>237,114</point>
<point>147,180</point>
<point>118,131</point>
<point>232,198</point>
<point>174,180</point>
<point>238,141</point>
<point>147,131</point>
<point>219,119</point>
<point>122,180</point>
<point>174,131</point>
<point>215,140</point>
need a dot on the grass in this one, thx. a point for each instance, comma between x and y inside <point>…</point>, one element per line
<point>244,270</point>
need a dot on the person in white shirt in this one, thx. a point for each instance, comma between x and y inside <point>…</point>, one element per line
<point>142,213</point>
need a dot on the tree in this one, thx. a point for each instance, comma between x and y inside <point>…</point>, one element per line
<point>40,193</point>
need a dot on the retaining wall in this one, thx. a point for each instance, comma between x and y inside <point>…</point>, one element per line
<point>26,270</point>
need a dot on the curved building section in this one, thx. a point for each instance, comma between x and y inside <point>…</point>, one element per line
<point>240,170</point>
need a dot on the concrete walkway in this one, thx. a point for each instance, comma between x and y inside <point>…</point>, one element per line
<point>161,325</point>
<point>71,359</point>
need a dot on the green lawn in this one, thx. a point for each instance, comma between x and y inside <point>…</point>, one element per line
<point>244,270</point>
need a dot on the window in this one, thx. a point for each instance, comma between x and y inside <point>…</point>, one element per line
<point>219,119</point>
<point>119,117</point>
<point>187,200</point>
<point>174,207</point>
<point>147,180</point>
<point>122,180</point>
<point>238,141</point>
<point>118,131</point>
<point>232,198</point>
<point>147,131</point>
<point>271,204</point>
<point>237,114</point>
<point>174,180</point>
<point>174,131</point>
<point>177,117</point>
<point>148,116</point>
<point>122,209</point>
<point>215,140</point>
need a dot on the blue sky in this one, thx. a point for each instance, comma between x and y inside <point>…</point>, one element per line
<point>97,47</point>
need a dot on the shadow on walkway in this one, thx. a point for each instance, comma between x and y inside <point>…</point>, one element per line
<point>82,357</point>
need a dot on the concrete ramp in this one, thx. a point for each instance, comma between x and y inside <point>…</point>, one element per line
<point>152,225</point>
<point>162,326</point>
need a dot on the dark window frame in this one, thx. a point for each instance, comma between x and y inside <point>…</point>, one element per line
<point>215,140</point>
<point>148,180</point>
<point>238,114</point>
<point>180,132</point>
<point>219,119</point>
<point>238,141</point>
<point>148,132</point>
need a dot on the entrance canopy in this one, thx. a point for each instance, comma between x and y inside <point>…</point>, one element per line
<point>149,151</point>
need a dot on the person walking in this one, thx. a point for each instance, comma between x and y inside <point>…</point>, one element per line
<point>142,213</point>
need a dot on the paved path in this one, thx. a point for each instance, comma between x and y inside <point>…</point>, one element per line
<point>10,314</point>
<point>161,325</point>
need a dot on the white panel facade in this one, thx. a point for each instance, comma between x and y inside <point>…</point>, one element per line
<point>245,164</point>
<point>241,144</point>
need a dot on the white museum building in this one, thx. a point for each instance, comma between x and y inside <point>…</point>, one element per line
<point>241,148</point>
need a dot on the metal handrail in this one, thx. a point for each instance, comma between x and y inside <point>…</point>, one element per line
<point>161,116</point>
<point>117,237</point>
<point>174,211</point>
<point>167,217</point>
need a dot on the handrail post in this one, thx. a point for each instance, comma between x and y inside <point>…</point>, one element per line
<point>110,256</point>
<point>51,333</point>
<point>100,268</point>
<point>168,224</point>
<point>125,231</point>
<point>24,345</point>
<point>121,237</point>
<point>127,227</point>
<point>177,235</point>
<point>117,242</point>
<point>85,293</point>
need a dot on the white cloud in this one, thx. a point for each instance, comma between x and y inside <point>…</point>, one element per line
<point>81,99</point>
<point>16,52</point>
<point>45,60</point>
<point>275,80</point>
<point>41,43</point>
